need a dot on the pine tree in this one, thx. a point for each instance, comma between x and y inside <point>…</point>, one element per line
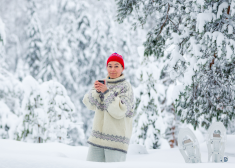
<point>10,90</point>
<point>149,125</point>
<point>9,94</point>
<point>231,127</point>
<point>194,38</point>
<point>10,98</point>
<point>34,35</point>
<point>167,106</point>
<point>47,114</point>
<point>160,83</point>
<point>2,41</point>
<point>33,122</point>
<point>49,67</point>
<point>73,37</point>
<point>210,96</point>
<point>8,122</point>
<point>64,37</point>
<point>59,109</point>
<point>126,43</point>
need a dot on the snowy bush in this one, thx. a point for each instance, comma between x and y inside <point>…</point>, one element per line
<point>59,110</point>
<point>8,122</point>
<point>47,113</point>
<point>10,94</point>
<point>33,121</point>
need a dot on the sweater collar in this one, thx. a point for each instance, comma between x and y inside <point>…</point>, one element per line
<point>116,80</point>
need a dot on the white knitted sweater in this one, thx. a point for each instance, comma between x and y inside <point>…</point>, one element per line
<point>112,126</point>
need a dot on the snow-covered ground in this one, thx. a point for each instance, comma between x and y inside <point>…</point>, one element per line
<point>14,154</point>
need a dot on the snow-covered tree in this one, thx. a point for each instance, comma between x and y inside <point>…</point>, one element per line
<point>10,99</point>
<point>146,129</point>
<point>73,40</point>
<point>231,127</point>
<point>10,91</point>
<point>166,102</point>
<point>47,114</point>
<point>2,41</point>
<point>149,14</point>
<point>49,67</point>
<point>195,41</point>
<point>33,121</point>
<point>34,43</point>
<point>9,95</point>
<point>8,122</point>
<point>59,110</point>
<point>209,96</point>
<point>149,125</point>
<point>10,88</point>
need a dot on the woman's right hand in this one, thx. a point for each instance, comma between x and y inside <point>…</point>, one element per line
<point>96,85</point>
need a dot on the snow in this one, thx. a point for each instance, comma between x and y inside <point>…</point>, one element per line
<point>143,120</point>
<point>7,118</point>
<point>219,38</point>
<point>145,99</point>
<point>29,85</point>
<point>2,31</point>
<point>230,29</point>
<point>137,149</point>
<point>201,2</point>
<point>175,91</point>
<point>164,144</point>
<point>222,6</point>
<point>159,123</point>
<point>175,56</point>
<point>232,9</point>
<point>230,147</point>
<point>47,155</point>
<point>199,62</point>
<point>190,72</point>
<point>202,19</point>
<point>195,47</point>
<point>160,88</point>
<point>140,50</point>
<point>229,52</point>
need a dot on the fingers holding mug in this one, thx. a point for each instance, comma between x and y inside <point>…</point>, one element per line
<point>97,85</point>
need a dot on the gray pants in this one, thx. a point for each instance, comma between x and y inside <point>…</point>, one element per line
<point>98,154</point>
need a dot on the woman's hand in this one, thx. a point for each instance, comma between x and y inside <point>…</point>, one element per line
<point>100,87</point>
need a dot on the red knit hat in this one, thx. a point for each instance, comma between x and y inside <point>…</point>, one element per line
<point>116,57</point>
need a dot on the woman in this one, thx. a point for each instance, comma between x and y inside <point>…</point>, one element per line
<point>113,103</point>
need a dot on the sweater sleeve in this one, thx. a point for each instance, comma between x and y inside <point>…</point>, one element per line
<point>91,99</point>
<point>119,105</point>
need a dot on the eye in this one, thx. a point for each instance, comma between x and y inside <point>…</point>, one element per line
<point>116,66</point>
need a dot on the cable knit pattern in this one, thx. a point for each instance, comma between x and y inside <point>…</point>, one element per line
<point>112,126</point>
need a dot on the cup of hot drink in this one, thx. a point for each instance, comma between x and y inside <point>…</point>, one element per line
<point>101,81</point>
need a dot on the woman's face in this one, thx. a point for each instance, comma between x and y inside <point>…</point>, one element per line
<point>114,69</point>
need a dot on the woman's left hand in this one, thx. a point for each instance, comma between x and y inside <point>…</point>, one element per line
<point>103,87</point>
